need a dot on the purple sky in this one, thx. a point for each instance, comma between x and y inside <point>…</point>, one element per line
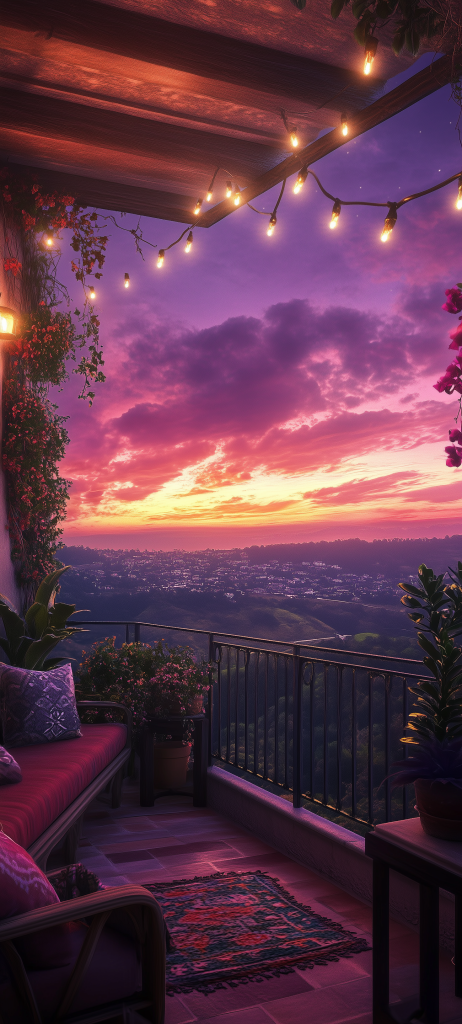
<point>262,389</point>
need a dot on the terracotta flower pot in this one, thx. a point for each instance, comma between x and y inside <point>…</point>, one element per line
<point>440,808</point>
<point>171,764</point>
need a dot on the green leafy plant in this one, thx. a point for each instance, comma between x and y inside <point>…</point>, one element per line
<point>28,641</point>
<point>120,674</point>
<point>436,609</point>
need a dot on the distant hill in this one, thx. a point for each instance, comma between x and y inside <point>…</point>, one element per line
<point>387,556</point>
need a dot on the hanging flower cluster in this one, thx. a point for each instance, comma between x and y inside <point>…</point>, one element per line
<point>451,379</point>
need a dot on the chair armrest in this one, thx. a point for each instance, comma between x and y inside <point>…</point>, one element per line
<point>117,898</point>
<point>110,704</point>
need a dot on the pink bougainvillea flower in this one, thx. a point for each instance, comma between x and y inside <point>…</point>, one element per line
<point>454,302</point>
<point>454,456</point>
<point>456,336</point>
<point>455,436</point>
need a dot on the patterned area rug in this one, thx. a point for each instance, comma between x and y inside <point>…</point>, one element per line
<point>232,928</point>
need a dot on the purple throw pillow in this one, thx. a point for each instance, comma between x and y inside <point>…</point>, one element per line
<point>9,768</point>
<point>23,886</point>
<point>38,707</point>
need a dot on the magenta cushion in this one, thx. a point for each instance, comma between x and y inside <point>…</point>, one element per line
<point>53,775</point>
<point>23,886</point>
<point>38,707</point>
<point>9,768</point>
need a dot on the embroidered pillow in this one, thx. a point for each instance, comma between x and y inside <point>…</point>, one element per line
<point>23,886</point>
<point>38,707</point>
<point>9,768</point>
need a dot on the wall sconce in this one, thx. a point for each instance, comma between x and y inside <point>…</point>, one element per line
<point>8,323</point>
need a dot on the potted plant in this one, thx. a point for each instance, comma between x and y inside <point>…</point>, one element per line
<point>178,688</point>
<point>435,728</point>
<point>28,641</point>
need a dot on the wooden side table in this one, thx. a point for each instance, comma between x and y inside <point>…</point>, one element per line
<point>434,864</point>
<point>174,724</point>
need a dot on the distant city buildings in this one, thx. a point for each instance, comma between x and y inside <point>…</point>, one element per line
<point>230,573</point>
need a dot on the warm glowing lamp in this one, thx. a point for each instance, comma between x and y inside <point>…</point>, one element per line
<point>302,176</point>
<point>126,280</point>
<point>48,239</point>
<point>8,319</point>
<point>237,196</point>
<point>459,195</point>
<point>344,124</point>
<point>197,208</point>
<point>294,138</point>
<point>189,242</point>
<point>161,257</point>
<point>92,293</point>
<point>390,221</point>
<point>229,189</point>
<point>209,196</point>
<point>272,224</point>
<point>336,211</point>
<point>370,52</point>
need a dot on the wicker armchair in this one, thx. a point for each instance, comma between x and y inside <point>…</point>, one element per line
<point>91,988</point>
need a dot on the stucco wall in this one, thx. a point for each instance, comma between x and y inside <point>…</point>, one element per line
<point>10,295</point>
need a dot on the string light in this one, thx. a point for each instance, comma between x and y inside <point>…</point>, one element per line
<point>336,211</point>
<point>272,224</point>
<point>189,242</point>
<point>126,280</point>
<point>294,138</point>
<point>344,124</point>
<point>390,221</point>
<point>92,293</point>
<point>229,189</point>
<point>209,196</point>
<point>48,239</point>
<point>459,195</point>
<point>302,176</point>
<point>161,257</point>
<point>237,196</point>
<point>370,52</point>
<point>198,207</point>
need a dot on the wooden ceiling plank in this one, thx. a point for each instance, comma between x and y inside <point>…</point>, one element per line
<point>120,197</point>
<point>405,95</point>
<point>209,55</point>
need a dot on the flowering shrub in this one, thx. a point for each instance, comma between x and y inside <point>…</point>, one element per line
<point>451,380</point>
<point>120,674</point>
<point>177,682</point>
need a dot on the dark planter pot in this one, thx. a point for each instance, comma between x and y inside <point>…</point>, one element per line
<point>440,808</point>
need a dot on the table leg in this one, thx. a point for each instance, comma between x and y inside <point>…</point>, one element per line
<point>458,947</point>
<point>380,939</point>
<point>147,768</point>
<point>429,952</point>
<point>201,736</point>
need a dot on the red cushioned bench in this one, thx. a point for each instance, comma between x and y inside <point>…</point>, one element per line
<point>59,781</point>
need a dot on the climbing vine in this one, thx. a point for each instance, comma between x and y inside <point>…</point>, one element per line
<point>50,338</point>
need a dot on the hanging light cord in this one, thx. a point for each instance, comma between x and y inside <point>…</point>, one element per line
<point>359,202</point>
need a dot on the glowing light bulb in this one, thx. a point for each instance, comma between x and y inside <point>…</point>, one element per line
<point>336,211</point>
<point>209,196</point>
<point>126,280</point>
<point>92,293</point>
<point>197,208</point>
<point>344,124</point>
<point>229,189</point>
<point>189,242</point>
<point>294,138</point>
<point>390,221</point>
<point>459,195</point>
<point>237,196</point>
<point>48,239</point>
<point>302,176</point>
<point>368,60</point>
<point>272,224</point>
<point>161,257</point>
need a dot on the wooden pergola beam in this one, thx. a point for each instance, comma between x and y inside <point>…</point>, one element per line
<point>138,36</point>
<point>416,88</point>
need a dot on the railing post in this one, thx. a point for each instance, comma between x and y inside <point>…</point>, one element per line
<point>127,633</point>
<point>297,726</point>
<point>137,632</point>
<point>210,698</point>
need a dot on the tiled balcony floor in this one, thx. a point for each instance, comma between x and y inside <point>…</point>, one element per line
<point>174,840</point>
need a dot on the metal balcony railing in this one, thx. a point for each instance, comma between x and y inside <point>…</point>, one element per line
<point>323,723</point>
